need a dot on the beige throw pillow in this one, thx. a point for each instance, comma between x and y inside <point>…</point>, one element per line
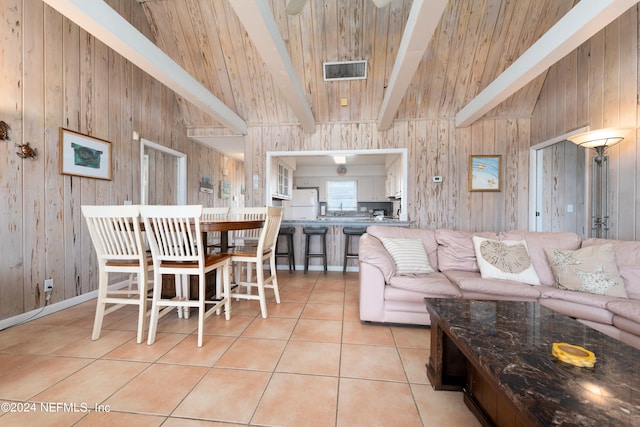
<point>592,269</point>
<point>408,254</point>
<point>505,259</point>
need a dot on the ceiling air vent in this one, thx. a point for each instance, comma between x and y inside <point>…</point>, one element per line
<point>345,70</point>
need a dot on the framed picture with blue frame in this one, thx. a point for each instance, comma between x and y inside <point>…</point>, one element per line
<point>84,155</point>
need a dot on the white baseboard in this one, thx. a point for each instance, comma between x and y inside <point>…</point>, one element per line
<point>49,309</point>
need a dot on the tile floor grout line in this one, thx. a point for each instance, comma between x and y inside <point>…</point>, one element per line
<point>307,293</point>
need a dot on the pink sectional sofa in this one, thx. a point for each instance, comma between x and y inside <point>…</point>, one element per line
<point>390,295</point>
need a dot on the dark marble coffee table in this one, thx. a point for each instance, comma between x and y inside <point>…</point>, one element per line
<point>499,354</point>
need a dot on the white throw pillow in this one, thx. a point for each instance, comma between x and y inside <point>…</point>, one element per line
<point>505,259</point>
<point>408,254</point>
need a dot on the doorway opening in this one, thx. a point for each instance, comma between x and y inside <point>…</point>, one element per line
<point>163,172</point>
<point>558,193</point>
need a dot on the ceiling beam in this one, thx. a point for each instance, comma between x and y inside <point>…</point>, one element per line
<point>424,18</point>
<point>258,21</point>
<point>583,21</point>
<point>106,25</point>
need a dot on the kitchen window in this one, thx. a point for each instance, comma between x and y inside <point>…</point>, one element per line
<point>342,196</point>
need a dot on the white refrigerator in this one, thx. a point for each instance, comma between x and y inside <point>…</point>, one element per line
<point>303,205</point>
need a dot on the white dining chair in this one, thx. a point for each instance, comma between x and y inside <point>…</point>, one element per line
<point>117,238</point>
<point>214,214</point>
<point>177,248</point>
<point>265,251</point>
<point>247,237</point>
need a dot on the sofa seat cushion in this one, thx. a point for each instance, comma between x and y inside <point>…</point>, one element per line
<point>578,311</point>
<point>629,309</point>
<point>627,325</point>
<point>432,285</point>
<point>627,254</point>
<point>472,281</point>
<point>537,242</point>
<point>456,251</point>
<point>583,298</point>
<point>397,295</point>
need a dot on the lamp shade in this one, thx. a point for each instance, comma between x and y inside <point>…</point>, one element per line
<point>599,138</point>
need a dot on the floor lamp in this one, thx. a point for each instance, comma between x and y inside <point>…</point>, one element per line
<point>599,141</point>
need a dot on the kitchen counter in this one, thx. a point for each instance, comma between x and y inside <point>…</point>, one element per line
<point>335,240</point>
<point>349,221</point>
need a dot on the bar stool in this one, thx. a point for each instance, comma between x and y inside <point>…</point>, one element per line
<point>287,234</point>
<point>315,231</point>
<point>350,232</point>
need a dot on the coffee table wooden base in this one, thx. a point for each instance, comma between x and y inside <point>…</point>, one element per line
<point>449,369</point>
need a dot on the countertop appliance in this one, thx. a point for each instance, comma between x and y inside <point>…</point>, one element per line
<point>303,205</point>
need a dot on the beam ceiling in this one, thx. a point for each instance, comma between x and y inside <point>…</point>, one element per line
<point>421,25</point>
<point>258,21</point>
<point>104,23</point>
<point>576,27</point>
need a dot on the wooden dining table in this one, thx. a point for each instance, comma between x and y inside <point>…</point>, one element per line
<point>206,226</point>
<point>226,225</point>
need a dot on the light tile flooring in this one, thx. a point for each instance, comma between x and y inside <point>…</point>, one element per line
<point>311,363</point>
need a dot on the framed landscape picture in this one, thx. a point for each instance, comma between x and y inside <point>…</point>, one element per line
<point>84,155</point>
<point>484,173</point>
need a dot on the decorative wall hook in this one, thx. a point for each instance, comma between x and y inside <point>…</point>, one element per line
<point>4,130</point>
<point>26,152</point>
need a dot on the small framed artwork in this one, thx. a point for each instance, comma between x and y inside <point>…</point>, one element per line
<point>84,155</point>
<point>484,173</point>
<point>225,189</point>
<point>206,186</point>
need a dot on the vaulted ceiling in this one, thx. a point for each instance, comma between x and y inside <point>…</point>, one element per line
<point>234,63</point>
<point>473,43</point>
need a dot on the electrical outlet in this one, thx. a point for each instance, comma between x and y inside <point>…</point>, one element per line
<point>48,285</point>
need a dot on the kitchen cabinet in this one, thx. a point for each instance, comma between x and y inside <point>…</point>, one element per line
<point>281,180</point>
<point>393,182</point>
<point>390,183</point>
<point>372,189</point>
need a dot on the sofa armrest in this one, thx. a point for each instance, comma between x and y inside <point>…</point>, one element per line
<point>371,251</point>
<point>372,286</point>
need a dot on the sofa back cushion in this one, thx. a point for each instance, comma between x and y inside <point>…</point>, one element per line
<point>426,236</point>
<point>456,251</point>
<point>627,255</point>
<point>537,242</point>
<point>371,251</point>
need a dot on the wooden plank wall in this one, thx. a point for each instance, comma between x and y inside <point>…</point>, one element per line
<point>55,74</point>
<point>436,147</point>
<point>597,86</point>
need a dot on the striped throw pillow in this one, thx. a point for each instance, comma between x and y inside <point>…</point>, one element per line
<point>408,254</point>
